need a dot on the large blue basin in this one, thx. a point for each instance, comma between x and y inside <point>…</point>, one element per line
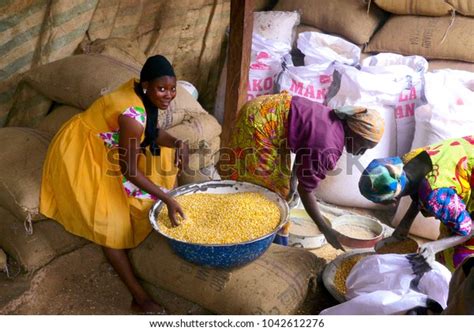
<point>221,255</point>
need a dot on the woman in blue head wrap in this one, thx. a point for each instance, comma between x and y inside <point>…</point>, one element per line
<point>439,178</point>
<point>383,179</point>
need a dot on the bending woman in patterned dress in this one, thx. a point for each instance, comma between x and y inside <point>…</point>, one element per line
<point>439,178</point>
<point>108,165</point>
<point>270,126</point>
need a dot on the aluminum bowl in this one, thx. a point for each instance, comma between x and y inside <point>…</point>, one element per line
<point>221,255</point>
<point>367,223</point>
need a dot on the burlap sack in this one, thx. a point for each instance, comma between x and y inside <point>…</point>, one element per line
<point>191,35</point>
<point>121,49</point>
<point>49,240</point>
<point>416,7</point>
<point>80,79</point>
<point>203,175</point>
<point>201,127</point>
<point>431,37</point>
<point>7,94</point>
<point>456,65</point>
<point>347,18</point>
<point>276,283</point>
<point>203,154</point>
<point>465,7</point>
<point>22,152</point>
<point>54,120</point>
<point>29,106</point>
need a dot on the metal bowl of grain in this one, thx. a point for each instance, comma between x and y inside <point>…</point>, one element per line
<point>205,248</point>
<point>336,272</point>
<point>357,231</point>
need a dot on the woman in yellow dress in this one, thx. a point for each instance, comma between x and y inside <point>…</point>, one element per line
<point>106,167</point>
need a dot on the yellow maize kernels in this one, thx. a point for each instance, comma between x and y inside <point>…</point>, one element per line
<point>343,271</point>
<point>222,218</point>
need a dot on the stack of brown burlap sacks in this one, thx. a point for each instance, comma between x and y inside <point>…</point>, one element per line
<point>354,21</point>
<point>439,30</point>
<point>276,283</point>
<point>188,32</point>
<point>22,153</point>
<point>65,88</point>
<point>349,19</point>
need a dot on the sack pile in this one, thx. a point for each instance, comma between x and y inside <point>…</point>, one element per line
<point>277,283</point>
<point>345,18</point>
<point>22,153</point>
<point>438,30</point>
<point>189,33</point>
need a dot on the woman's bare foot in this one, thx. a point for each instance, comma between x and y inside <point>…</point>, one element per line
<point>148,307</point>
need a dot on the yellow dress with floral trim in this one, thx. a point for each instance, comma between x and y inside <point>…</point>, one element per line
<point>82,186</point>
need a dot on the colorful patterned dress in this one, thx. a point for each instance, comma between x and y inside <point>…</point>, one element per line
<point>259,136</point>
<point>258,153</point>
<point>446,192</point>
<point>82,186</point>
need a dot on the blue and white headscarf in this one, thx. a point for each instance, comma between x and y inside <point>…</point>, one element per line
<point>383,179</point>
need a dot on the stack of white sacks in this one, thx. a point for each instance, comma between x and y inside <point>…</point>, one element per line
<point>419,107</point>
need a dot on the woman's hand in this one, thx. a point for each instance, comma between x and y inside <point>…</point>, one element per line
<point>311,206</point>
<point>331,238</point>
<point>173,208</point>
<point>181,157</point>
<point>293,196</point>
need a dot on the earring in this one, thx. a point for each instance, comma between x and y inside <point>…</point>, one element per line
<point>144,91</point>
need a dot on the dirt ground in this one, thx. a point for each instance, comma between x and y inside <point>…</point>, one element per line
<point>84,283</point>
<point>78,283</point>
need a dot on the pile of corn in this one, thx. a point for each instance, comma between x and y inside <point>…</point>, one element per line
<point>222,218</point>
<point>406,246</point>
<point>343,271</point>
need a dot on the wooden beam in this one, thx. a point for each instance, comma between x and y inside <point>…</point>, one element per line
<point>240,44</point>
